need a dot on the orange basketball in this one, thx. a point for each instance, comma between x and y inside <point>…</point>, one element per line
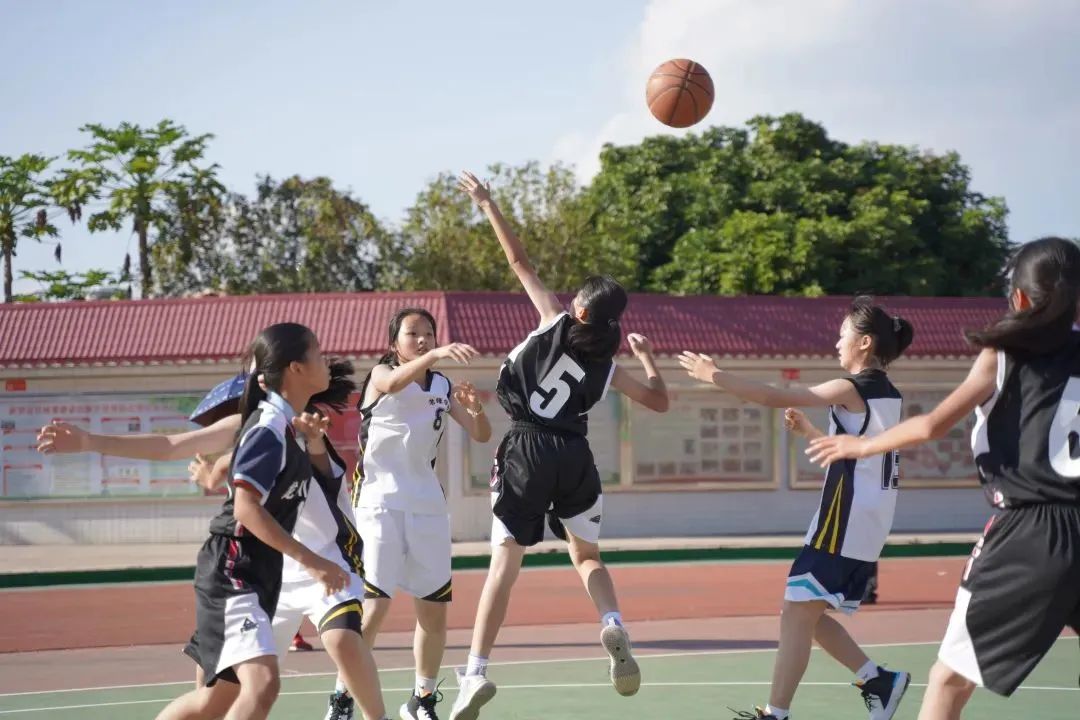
<point>679,93</point>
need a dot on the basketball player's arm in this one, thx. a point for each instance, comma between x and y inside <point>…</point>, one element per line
<point>60,437</point>
<point>976,388</point>
<point>249,512</point>
<point>834,392</point>
<point>209,476</point>
<point>543,299</point>
<point>468,412</point>
<point>653,394</point>
<point>313,427</point>
<point>389,380</point>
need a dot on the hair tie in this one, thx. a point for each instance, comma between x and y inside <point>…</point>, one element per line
<point>612,322</point>
<point>896,324</point>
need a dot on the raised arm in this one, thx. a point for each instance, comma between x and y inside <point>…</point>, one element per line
<point>834,392</point>
<point>62,438</point>
<point>653,394</point>
<point>977,387</point>
<point>543,299</point>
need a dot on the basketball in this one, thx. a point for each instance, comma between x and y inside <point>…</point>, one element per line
<point>679,93</point>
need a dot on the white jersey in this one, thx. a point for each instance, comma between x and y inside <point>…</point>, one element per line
<point>858,500</point>
<point>325,523</point>
<point>399,439</point>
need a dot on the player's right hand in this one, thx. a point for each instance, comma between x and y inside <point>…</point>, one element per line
<point>639,344</point>
<point>459,352</point>
<point>61,438</point>
<point>328,574</point>
<point>795,421</point>
<point>478,191</point>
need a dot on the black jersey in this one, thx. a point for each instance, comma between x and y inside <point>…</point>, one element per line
<point>544,383</point>
<point>1026,439</point>
<point>269,460</point>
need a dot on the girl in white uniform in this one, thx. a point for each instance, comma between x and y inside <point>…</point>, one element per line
<point>399,505</point>
<point>854,515</point>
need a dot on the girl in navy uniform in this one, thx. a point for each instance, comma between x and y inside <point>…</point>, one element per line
<point>855,512</point>
<point>543,466</point>
<point>1021,586</point>
<point>238,572</point>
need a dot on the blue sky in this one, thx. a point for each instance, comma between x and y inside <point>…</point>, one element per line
<point>382,96</point>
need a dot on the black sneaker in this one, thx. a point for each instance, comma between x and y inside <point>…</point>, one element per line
<point>882,694</point>
<point>340,707</point>
<point>421,708</point>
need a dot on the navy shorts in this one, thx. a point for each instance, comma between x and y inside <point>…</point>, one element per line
<point>818,575</point>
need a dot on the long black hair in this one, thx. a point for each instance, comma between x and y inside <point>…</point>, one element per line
<point>273,350</point>
<point>1048,272</point>
<point>891,335</point>
<point>390,357</point>
<point>598,338</point>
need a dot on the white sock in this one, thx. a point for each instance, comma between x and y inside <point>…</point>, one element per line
<point>424,686</point>
<point>611,618</point>
<point>477,665</point>
<point>779,713</point>
<point>339,686</point>
<point>867,672</point>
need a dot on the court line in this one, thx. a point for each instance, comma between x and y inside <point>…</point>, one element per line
<point>553,686</point>
<point>285,675</point>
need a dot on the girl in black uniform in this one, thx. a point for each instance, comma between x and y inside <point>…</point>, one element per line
<point>1021,586</point>
<point>544,465</point>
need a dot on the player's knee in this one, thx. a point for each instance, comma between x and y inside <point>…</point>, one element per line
<point>945,677</point>
<point>264,689</point>
<point>582,552</point>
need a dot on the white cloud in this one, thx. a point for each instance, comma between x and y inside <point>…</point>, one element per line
<point>994,80</point>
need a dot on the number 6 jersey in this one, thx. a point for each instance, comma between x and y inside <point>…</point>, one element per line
<point>1026,439</point>
<point>543,383</point>
<point>399,439</point>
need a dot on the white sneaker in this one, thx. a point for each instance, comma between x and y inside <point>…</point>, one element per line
<point>625,673</point>
<point>474,691</point>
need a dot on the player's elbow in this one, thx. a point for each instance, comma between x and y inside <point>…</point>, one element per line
<point>658,402</point>
<point>481,434</point>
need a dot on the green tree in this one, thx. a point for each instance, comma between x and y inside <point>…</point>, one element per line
<point>136,171</point>
<point>294,235</point>
<point>779,207</point>
<point>24,207</point>
<point>447,244</point>
<point>89,285</point>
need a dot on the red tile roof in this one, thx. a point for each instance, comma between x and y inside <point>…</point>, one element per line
<point>209,329</point>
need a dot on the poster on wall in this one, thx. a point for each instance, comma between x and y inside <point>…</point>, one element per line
<point>705,438</point>
<point>26,473</point>
<point>946,462</point>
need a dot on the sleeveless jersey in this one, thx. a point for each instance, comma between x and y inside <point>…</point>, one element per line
<point>399,440</point>
<point>543,383</point>
<point>858,500</point>
<point>1026,439</point>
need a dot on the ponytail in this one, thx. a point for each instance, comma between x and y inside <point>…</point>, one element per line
<point>342,385</point>
<point>891,334</point>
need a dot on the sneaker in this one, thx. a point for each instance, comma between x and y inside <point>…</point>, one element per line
<point>299,644</point>
<point>474,691</point>
<point>625,674</point>
<point>340,708</point>
<point>882,694</point>
<point>421,708</point>
<point>757,714</point>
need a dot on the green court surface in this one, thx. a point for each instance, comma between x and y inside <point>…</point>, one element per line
<point>698,685</point>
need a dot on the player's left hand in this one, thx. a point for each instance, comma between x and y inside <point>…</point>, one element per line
<point>698,366</point>
<point>313,427</point>
<point>467,396</point>
<point>825,450</point>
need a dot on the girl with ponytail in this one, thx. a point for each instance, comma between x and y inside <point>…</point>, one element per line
<point>547,386</point>
<point>856,508</point>
<point>1019,588</point>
